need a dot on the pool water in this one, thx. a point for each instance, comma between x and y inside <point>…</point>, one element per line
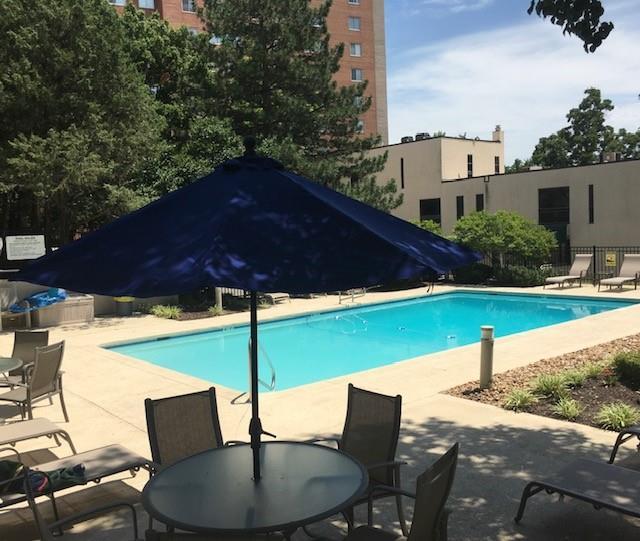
<point>325,345</point>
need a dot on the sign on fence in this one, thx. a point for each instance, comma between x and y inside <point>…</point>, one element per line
<point>610,259</point>
<point>23,247</point>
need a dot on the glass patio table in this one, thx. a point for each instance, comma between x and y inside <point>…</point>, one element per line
<point>213,492</point>
<point>8,364</point>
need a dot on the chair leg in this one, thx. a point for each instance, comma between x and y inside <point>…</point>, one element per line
<point>401,517</point>
<point>529,490</point>
<point>64,407</point>
<point>29,410</point>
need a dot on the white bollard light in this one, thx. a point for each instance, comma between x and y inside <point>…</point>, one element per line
<point>486,356</point>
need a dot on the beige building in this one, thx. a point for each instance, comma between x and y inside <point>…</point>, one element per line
<point>420,167</point>
<point>443,179</point>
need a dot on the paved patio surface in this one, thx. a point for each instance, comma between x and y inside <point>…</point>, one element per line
<point>500,450</point>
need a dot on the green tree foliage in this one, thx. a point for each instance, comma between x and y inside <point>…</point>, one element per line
<point>274,68</point>
<point>582,18</point>
<point>518,166</point>
<point>586,137</point>
<point>78,120</point>
<point>430,225</point>
<point>502,233</point>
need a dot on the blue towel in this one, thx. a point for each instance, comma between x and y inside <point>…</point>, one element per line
<point>40,300</point>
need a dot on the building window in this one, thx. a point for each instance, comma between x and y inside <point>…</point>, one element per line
<point>354,24</point>
<point>360,126</point>
<point>357,75</point>
<point>469,165</point>
<point>355,49</point>
<point>189,5</point>
<point>118,2</point>
<point>553,206</point>
<point>147,4</point>
<point>459,206</point>
<point>358,101</point>
<point>591,216</point>
<point>353,2</point>
<point>496,165</point>
<point>479,202</point>
<point>402,173</point>
<point>430,210</point>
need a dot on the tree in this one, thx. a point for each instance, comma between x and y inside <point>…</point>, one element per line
<point>275,71</point>
<point>504,233</point>
<point>430,225</point>
<point>587,137</point>
<point>78,120</point>
<point>579,17</point>
<point>518,166</point>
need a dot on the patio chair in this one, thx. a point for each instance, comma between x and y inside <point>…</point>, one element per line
<point>44,380</point>
<point>275,298</point>
<point>600,484</point>
<point>626,434</point>
<point>370,435</point>
<point>46,530</point>
<point>24,348</point>
<point>577,272</point>
<point>430,516</point>
<point>182,426</point>
<point>629,272</point>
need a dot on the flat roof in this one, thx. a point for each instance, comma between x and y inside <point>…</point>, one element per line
<point>467,139</point>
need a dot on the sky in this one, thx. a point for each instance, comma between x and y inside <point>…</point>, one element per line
<point>463,66</point>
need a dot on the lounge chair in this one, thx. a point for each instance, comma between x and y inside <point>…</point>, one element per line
<point>430,515</point>
<point>577,272</point>
<point>24,348</point>
<point>274,298</point>
<point>12,433</point>
<point>46,530</point>
<point>370,435</point>
<point>99,464</point>
<point>597,483</point>
<point>629,272</point>
<point>625,435</point>
<point>44,380</point>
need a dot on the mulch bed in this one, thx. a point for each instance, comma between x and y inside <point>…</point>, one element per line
<point>592,395</point>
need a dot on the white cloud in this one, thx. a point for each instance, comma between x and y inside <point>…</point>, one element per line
<point>524,77</point>
<point>458,6</point>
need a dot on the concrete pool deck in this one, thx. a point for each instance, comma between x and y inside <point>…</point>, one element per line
<point>500,450</point>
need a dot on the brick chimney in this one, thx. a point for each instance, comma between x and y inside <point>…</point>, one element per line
<point>498,134</point>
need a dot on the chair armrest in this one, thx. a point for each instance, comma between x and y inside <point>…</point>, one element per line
<point>13,451</point>
<point>235,442</point>
<point>80,517</point>
<point>391,464</point>
<point>321,440</point>
<point>394,490</point>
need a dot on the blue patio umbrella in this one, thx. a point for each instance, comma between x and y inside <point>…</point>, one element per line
<point>250,225</point>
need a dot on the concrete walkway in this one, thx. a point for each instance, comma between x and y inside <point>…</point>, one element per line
<point>500,450</point>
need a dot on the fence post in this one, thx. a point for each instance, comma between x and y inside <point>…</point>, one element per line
<point>594,265</point>
<point>486,356</point>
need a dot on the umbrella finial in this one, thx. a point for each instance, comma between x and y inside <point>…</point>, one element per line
<point>249,143</point>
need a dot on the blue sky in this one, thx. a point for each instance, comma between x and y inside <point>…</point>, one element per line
<point>463,66</point>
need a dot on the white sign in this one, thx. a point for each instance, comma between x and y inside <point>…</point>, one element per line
<point>25,247</point>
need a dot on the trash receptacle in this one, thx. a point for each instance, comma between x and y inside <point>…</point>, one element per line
<point>124,306</point>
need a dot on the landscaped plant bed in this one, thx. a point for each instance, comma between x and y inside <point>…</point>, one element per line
<point>574,386</point>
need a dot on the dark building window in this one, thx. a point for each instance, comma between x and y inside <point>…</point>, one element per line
<point>469,165</point>
<point>402,173</point>
<point>553,206</point>
<point>479,202</point>
<point>430,210</point>
<point>459,206</point>
<point>496,165</point>
<point>591,203</point>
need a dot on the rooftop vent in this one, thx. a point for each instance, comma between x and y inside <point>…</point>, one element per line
<point>422,136</point>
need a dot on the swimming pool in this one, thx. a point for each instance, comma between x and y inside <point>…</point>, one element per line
<point>325,345</point>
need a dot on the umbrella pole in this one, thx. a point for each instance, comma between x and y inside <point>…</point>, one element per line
<point>255,427</point>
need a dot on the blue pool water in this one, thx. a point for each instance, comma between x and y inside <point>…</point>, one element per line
<point>317,347</point>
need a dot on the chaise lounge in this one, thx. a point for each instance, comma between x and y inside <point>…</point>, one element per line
<point>577,272</point>
<point>629,272</point>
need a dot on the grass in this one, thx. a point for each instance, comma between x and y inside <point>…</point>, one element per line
<point>593,370</point>
<point>575,377</point>
<point>520,400</point>
<point>617,415</point>
<point>551,385</point>
<point>567,408</point>
<point>215,310</point>
<point>166,311</point>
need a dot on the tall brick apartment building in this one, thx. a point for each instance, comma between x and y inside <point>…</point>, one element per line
<point>359,24</point>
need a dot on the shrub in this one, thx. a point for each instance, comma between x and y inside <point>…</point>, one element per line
<point>519,400</point>
<point>517,275</point>
<point>627,367</point>
<point>215,310</point>
<point>575,377</point>
<point>567,408</point>
<point>593,370</point>
<point>476,273</point>
<point>166,312</point>
<point>430,225</point>
<point>551,385</point>
<point>617,415</point>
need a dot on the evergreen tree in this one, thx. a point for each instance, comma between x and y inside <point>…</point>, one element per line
<point>78,120</point>
<point>274,68</point>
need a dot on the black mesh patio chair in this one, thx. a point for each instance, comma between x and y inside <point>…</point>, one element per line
<point>24,348</point>
<point>182,426</point>
<point>43,380</point>
<point>370,435</point>
<point>430,516</point>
